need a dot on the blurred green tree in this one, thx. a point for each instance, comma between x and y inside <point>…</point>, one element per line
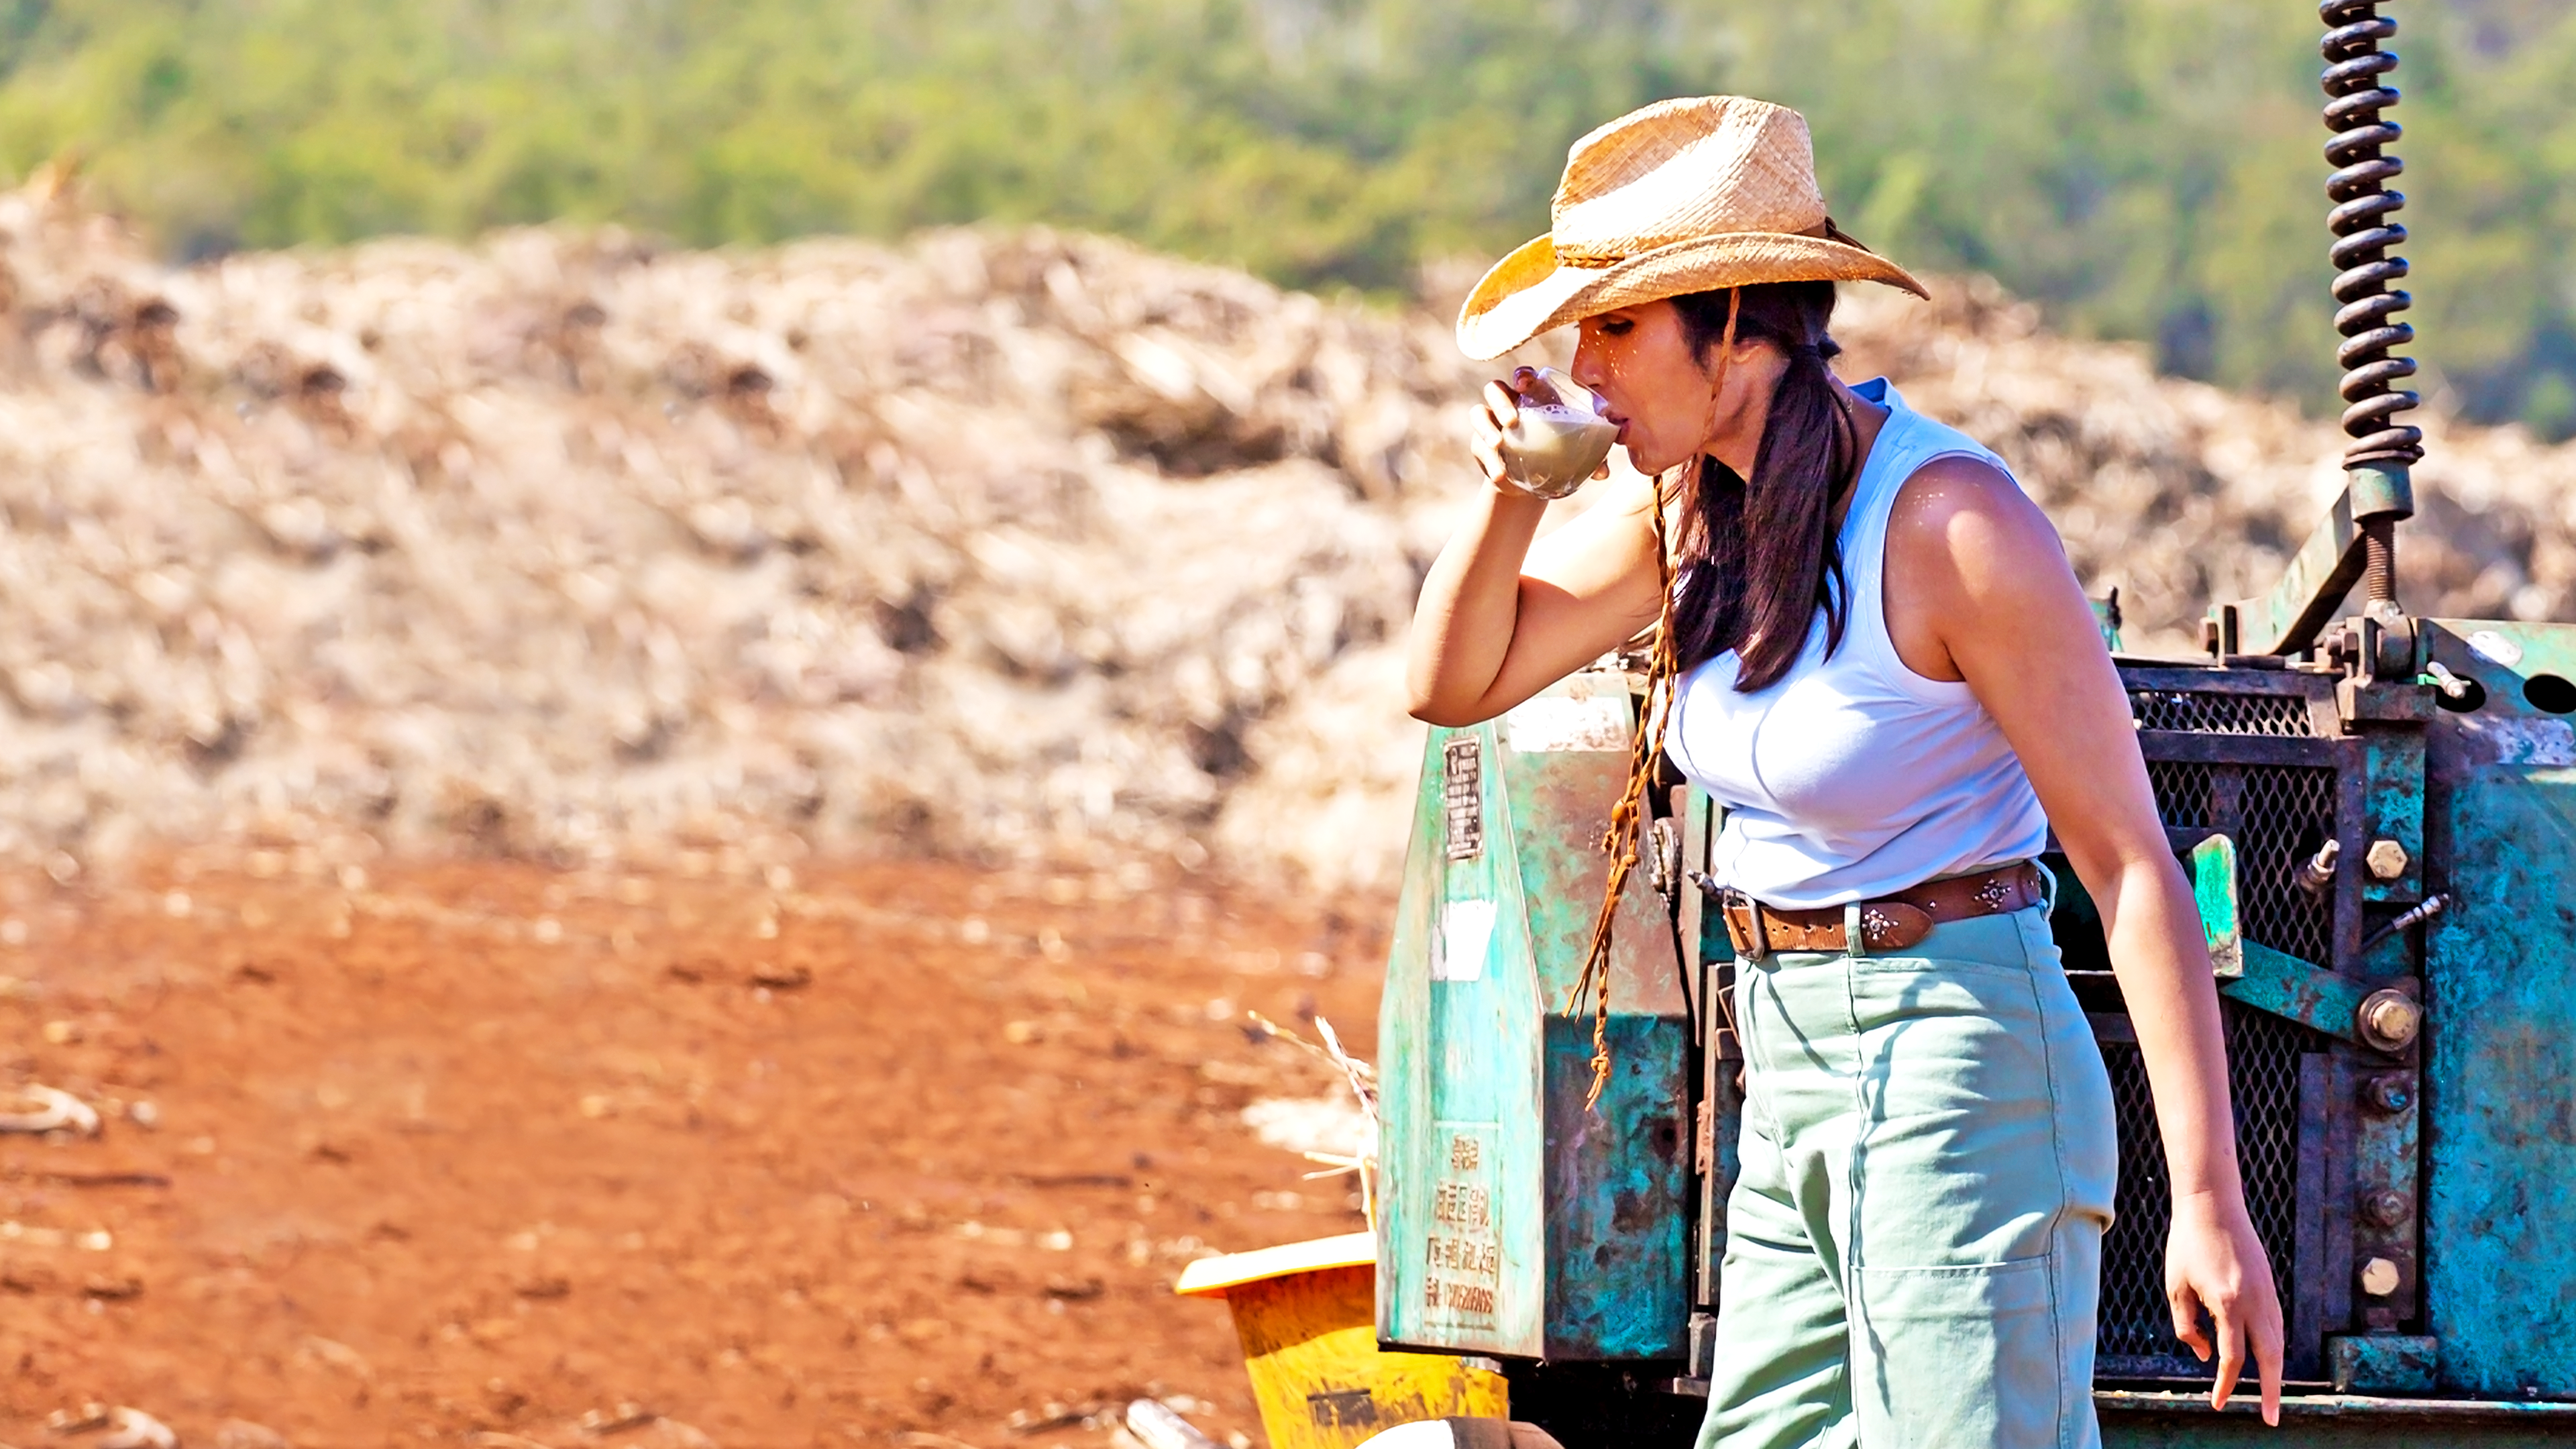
<point>2145,169</point>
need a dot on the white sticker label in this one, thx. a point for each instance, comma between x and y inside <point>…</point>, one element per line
<point>1466,930</point>
<point>2545,742</point>
<point>2489,645</point>
<point>1555,722</point>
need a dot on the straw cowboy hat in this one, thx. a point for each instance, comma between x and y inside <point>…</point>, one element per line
<point>1687,195</point>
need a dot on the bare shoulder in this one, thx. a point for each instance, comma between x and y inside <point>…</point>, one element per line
<point>1962,523</point>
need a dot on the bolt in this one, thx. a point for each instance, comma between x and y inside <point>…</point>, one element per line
<point>2390,1094</point>
<point>2317,873</point>
<point>2389,1020</point>
<point>2379,1277</point>
<point>2386,860</point>
<point>2387,1207</point>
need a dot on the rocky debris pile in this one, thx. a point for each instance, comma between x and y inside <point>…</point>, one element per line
<point>1009,544</point>
<point>564,546</point>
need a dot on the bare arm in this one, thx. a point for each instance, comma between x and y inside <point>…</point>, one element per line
<point>1989,597</point>
<point>1500,620</point>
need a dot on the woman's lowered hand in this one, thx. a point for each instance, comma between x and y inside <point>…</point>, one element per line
<point>2215,1265</point>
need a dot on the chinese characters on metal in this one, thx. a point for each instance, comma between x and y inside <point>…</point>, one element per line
<point>1465,1254</point>
<point>1462,796</point>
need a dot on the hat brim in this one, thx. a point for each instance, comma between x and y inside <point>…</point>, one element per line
<point>1531,291</point>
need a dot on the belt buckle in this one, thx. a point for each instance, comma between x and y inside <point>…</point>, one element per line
<point>1754,927</point>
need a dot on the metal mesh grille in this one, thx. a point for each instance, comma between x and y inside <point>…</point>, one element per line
<point>2182,794</point>
<point>2134,1322</point>
<point>2263,1078</point>
<point>2278,815</point>
<point>2286,813</point>
<point>2222,714</point>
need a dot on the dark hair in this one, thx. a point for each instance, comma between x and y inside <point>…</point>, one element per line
<point>1758,559</point>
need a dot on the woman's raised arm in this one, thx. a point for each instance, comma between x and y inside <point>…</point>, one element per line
<point>1501,619</point>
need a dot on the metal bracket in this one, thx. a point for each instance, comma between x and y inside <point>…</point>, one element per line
<point>2212,864</point>
<point>2254,973</point>
<point>2310,995</point>
<point>2287,619</point>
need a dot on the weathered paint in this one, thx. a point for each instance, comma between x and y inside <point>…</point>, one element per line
<point>2393,803</point>
<point>2499,1095</point>
<point>2339,1421</point>
<point>2394,1362</point>
<point>2284,985</point>
<point>1458,1270</point>
<point>2254,973</point>
<point>1318,1376</point>
<point>1515,1221</point>
<point>1617,1193</point>
<point>2213,890</point>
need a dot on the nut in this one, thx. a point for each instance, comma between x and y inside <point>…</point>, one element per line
<point>2379,1277</point>
<point>2386,1207</point>
<point>2386,860</point>
<point>2389,1020</point>
<point>2390,1093</point>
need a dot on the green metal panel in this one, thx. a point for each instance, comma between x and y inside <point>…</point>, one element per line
<point>2499,1108</point>
<point>2308,994</point>
<point>2214,890</point>
<point>1459,1218</point>
<point>1516,1221</point>
<point>2393,803</point>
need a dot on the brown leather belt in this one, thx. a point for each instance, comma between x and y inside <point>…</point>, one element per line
<point>1888,924</point>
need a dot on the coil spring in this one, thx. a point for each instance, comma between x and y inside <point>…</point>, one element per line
<point>2365,228</point>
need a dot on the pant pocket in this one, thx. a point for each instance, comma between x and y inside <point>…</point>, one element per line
<point>1960,1357</point>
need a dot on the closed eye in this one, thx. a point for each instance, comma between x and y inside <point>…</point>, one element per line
<point>1617,327</point>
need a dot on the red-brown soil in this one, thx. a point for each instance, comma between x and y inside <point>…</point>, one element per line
<point>463,1152</point>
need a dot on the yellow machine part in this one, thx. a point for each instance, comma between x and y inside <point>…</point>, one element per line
<point>1307,1317</point>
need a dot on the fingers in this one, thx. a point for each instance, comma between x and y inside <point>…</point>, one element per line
<point>1529,383</point>
<point>1485,440</point>
<point>2186,1321</point>
<point>2231,1352</point>
<point>2266,1328</point>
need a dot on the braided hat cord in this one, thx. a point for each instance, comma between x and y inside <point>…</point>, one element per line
<point>1626,833</point>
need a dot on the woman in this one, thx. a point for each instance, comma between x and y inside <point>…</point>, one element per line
<point>1886,672</point>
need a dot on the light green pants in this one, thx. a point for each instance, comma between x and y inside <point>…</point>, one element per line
<point>1914,1244</point>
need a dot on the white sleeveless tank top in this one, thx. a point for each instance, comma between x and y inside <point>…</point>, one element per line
<point>1854,777</point>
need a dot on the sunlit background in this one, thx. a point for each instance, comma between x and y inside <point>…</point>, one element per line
<point>668,671</point>
<point>2145,168</point>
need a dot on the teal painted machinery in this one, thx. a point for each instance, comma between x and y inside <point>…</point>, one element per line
<point>2379,812</point>
<point>2381,823</point>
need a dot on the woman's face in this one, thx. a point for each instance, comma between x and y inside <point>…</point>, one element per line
<point>1667,405</point>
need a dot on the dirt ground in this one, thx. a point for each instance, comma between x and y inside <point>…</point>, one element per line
<point>901,1155</point>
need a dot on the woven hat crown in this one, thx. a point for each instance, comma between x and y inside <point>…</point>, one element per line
<point>1687,195</point>
<point>1678,169</point>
